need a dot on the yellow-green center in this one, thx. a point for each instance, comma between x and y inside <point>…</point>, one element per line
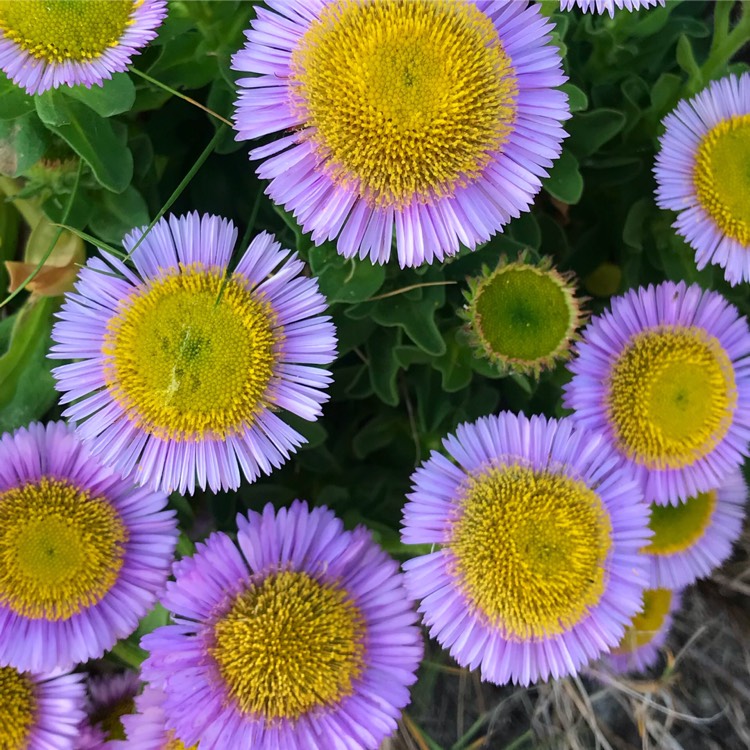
<point>191,356</point>
<point>722,176</point>
<point>671,396</point>
<point>647,623</point>
<point>174,744</point>
<point>66,30</point>
<point>404,99</point>
<point>529,549</point>
<point>678,527</point>
<point>524,316</point>
<point>61,549</point>
<point>288,645</point>
<point>17,709</point>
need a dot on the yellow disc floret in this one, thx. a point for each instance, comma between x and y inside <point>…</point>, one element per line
<point>61,550</point>
<point>404,99</point>
<point>191,355</point>
<point>671,396</point>
<point>721,177</point>
<point>528,549</point>
<point>174,744</point>
<point>65,30</point>
<point>678,527</point>
<point>647,623</point>
<point>17,708</point>
<point>288,645</point>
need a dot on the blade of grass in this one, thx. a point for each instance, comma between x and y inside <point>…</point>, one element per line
<point>183,184</point>
<point>178,94</point>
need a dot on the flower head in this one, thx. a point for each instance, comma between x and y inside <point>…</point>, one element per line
<point>183,366</point>
<point>639,647</point>
<point>83,554</point>
<point>695,536</point>
<point>608,6</point>
<point>434,117</point>
<point>537,569</point>
<point>522,316</point>
<point>44,45</point>
<point>700,173</point>
<point>665,376</point>
<point>38,711</point>
<point>303,638</point>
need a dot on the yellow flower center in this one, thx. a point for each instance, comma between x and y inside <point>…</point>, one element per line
<point>17,708</point>
<point>525,316</point>
<point>722,178</point>
<point>529,549</point>
<point>671,396</point>
<point>174,744</point>
<point>62,30</point>
<point>187,358</point>
<point>61,550</point>
<point>288,645</point>
<point>678,527</point>
<point>404,99</point>
<point>647,623</point>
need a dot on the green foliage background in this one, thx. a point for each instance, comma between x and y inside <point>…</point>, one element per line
<point>104,160</point>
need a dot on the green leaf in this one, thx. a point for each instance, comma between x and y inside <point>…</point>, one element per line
<point>686,58</point>
<point>376,434</point>
<point>455,364</point>
<point>185,63</point>
<point>22,143</point>
<point>14,101</point>
<point>577,99</point>
<point>565,181</point>
<point>92,137</point>
<point>26,385</point>
<point>591,130</point>
<point>415,313</point>
<point>383,365</point>
<point>665,93</point>
<point>117,214</point>
<point>343,280</point>
<point>113,97</point>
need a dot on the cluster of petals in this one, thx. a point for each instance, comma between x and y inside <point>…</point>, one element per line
<point>433,505</point>
<point>425,230</point>
<point>685,129</point>
<point>37,74</point>
<point>197,702</point>
<point>112,431</point>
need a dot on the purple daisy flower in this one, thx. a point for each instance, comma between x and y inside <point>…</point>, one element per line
<point>537,569</point>
<point>83,554</point>
<point>40,712</point>
<point>700,173</point>
<point>44,45</point>
<point>432,118</point>
<point>640,646</point>
<point>303,638</point>
<point>147,728</point>
<point>608,6</point>
<point>182,366</point>
<point>694,537</point>
<point>665,376</point>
